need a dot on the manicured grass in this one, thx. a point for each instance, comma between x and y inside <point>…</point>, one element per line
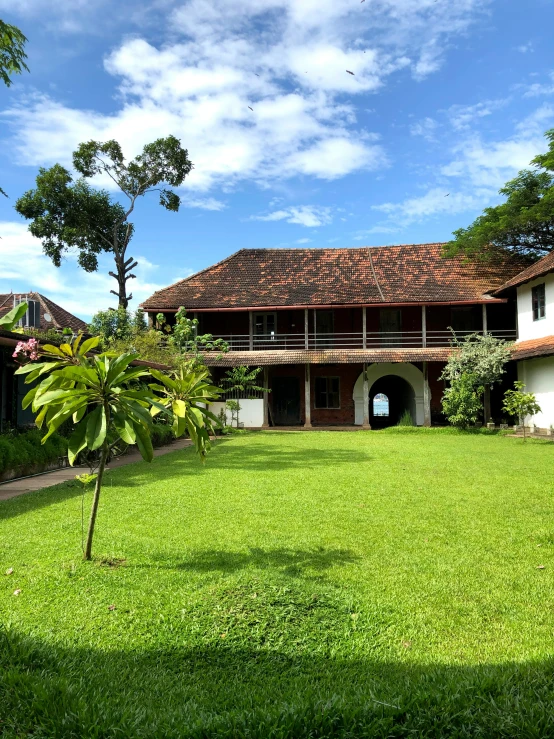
<point>325,584</point>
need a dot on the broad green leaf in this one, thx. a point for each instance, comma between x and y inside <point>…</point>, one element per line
<point>58,396</point>
<point>179,408</point>
<point>51,349</point>
<point>89,344</point>
<point>79,414</point>
<point>28,399</point>
<point>77,442</point>
<point>96,428</point>
<point>66,349</point>
<point>78,374</point>
<point>119,365</point>
<point>124,428</point>
<point>144,442</point>
<point>8,321</point>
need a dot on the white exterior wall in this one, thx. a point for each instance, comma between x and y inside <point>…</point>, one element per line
<point>408,372</point>
<point>526,327</point>
<point>251,412</point>
<point>538,376</point>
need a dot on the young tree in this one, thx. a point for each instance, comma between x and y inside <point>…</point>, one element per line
<point>102,396</point>
<point>67,215</point>
<point>482,357</point>
<point>520,404</point>
<point>523,225</point>
<point>461,401</point>
<point>186,340</point>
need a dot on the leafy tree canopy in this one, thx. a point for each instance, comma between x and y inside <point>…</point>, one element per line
<point>68,216</point>
<point>12,52</point>
<point>523,225</point>
<point>483,358</point>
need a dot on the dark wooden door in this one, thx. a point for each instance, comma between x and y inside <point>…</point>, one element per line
<point>285,397</point>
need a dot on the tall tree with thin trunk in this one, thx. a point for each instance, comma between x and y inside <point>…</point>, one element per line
<point>69,216</point>
<point>12,55</point>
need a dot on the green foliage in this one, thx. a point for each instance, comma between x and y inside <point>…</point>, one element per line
<point>235,408</point>
<point>12,52</point>
<point>523,225</point>
<point>183,337</point>
<point>406,419</point>
<point>11,318</point>
<point>187,394</point>
<point>462,401</point>
<point>23,450</point>
<point>483,357</point>
<point>161,434</point>
<point>243,380</point>
<point>520,404</point>
<point>67,216</point>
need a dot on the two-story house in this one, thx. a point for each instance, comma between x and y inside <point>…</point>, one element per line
<point>345,336</point>
<point>534,348</point>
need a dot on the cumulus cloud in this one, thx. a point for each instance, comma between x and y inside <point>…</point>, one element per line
<point>25,268</point>
<point>310,216</point>
<point>426,128</point>
<point>256,89</point>
<point>464,116</point>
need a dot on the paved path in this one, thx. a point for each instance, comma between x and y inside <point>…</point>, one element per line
<point>19,487</point>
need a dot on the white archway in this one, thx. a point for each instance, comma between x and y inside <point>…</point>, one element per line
<point>408,372</point>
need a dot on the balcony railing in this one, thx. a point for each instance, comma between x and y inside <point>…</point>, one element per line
<point>373,340</point>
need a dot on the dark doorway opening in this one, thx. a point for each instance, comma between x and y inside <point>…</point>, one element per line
<point>400,396</point>
<point>285,400</point>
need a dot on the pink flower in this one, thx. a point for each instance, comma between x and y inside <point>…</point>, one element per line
<point>26,350</point>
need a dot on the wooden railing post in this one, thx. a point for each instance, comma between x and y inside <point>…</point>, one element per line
<point>307,399</point>
<point>265,424</point>
<point>423,325</point>
<point>364,328</point>
<point>251,330</point>
<point>484,307</point>
<point>306,334</point>
<point>365,423</point>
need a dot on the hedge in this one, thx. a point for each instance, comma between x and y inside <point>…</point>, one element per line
<point>161,435</point>
<point>23,450</point>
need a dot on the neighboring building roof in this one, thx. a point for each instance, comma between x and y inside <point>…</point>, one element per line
<point>326,356</point>
<point>540,268</point>
<point>60,317</point>
<point>412,273</point>
<point>542,347</point>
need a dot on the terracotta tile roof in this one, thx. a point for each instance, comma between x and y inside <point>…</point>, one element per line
<point>542,267</point>
<point>542,347</point>
<point>60,317</point>
<point>411,273</point>
<point>327,356</point>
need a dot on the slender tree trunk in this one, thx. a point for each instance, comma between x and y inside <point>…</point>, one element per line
<point>487,404</point>
<point>103,457</point>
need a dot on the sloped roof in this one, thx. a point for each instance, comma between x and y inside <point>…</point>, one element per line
<point>540,268</point>
<point>60,317</point>
<point>542,347</point>
<point>412,273</point>
<point>326,356</point>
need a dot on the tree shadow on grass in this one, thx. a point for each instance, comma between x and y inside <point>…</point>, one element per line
<point>237,691</point>
<point>287,561</point>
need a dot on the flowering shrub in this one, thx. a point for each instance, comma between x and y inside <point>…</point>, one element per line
<point>26,350</point>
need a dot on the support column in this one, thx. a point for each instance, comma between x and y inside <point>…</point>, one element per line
<point>265,423</point>
<point>484,307</point>
<point>424,325</point>
<point>487,404</point>
<point>251,330</point>
<point>426,396</point>
<point>364,328</point>
<point>306,334</point>
<point>307,399</point>
<point>366,424</point>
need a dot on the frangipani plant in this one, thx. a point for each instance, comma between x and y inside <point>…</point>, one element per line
<point>9,321</point>
<point>104,397</point>
<point>187,394</point>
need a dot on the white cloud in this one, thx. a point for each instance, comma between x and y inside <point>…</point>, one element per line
<point>285,59</point>
<point>310,216</point>
<point>303,241</point>
<point>538,89</point>
<point>526,48</point>
<point>203,203</point>
<point>25,268</point>
<point>463,116</point>
<point>425,128</point>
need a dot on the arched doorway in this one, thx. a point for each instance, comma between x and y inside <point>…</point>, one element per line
<point>410,397</point>
<point>400,398</point>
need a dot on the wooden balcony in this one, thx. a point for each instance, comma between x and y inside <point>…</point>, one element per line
<point>360,340</point>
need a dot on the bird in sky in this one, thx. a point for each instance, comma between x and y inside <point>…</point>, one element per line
<point>252,109</point>
<point>349,72</point>
<point>447,194</point>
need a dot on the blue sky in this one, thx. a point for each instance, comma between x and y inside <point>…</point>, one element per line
<point>447,101</point>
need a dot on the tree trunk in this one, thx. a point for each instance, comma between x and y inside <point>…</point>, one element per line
<point>103,457</point>
<point>487,404</point>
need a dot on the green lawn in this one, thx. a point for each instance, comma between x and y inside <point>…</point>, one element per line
<point>325,584</point>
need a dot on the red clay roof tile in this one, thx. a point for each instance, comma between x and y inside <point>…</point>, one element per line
<point>542,267</point>
<point>411,273</point>
<point>542,347</point>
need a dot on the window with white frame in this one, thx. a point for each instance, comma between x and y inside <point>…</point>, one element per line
<point>538,299</point>
<point>265,324</point>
